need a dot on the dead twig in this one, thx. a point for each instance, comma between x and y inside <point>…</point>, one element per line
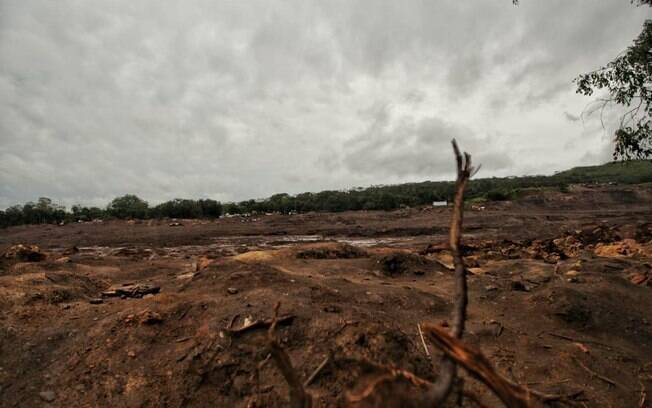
<point>317,370</point>
<point>575,340</point>
<point>299,398</point>
<point>597,375</point>
<point>391,375</point>
<point>423,341</point>
<point>643,395</point>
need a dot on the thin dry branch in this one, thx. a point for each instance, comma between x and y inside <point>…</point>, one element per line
<point>439,391</point>
<point>389,376</point>
<point>315,373</point>
<point>597,375</point>
<point>299,398</point>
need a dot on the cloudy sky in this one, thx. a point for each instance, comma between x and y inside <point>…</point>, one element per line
<point>236,99</point>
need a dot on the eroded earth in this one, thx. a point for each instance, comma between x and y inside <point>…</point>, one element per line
<point>147,313</point>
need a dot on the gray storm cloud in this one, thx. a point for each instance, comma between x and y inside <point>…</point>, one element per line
<point>236,100</point>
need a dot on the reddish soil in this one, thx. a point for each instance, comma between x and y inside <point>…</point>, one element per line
<point>560,294</point>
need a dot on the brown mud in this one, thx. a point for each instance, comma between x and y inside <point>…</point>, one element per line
<point>142,314</point>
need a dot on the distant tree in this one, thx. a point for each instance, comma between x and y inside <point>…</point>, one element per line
<point>128,206</point>
<point>232,208</point>
<point>628,81</point>
<point>210,208</point>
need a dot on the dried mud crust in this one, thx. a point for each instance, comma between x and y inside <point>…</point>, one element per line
<point>559,301</point>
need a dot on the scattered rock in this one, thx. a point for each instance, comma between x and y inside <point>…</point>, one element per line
<point>63,260</point>
<point>232,291</point>
<point>131,354</point>
<point>175,224</point>
<point>332,309</point>
<point>96,301</point>
<point>202,263</point>
<point>47,396</point>
<point>149,317</point>
<point>491,288</point>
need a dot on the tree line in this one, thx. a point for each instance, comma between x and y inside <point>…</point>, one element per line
<point>387,197</point>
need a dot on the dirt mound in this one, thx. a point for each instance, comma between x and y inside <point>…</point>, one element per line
<point>332,251</point>
<point>24,253</point>
<point>49,287</point>
<point>403,263</point>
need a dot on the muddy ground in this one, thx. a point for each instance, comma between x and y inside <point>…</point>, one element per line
<point>140,314</point>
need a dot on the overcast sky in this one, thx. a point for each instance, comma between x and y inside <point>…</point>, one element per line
<point>236,100</point>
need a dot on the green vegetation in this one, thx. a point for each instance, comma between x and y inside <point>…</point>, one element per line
<point>371,198</point>
<point>627,81</point>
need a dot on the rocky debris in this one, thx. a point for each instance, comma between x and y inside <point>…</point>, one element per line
<point>593,234</point>
<point>63,260</point>
<point>547,251</point>
<point>329,251</point>
<point>401,263</point>
<point>24,253</point>
<point>626,247</point>
<point>132,251</point>
<point>148,317</point>
<point>134,290</point>
<point>434,248</point>
<point>175,224</point>
<point>96,301</point>
<point>232,291</point>
<point>47,396</point>
<point>202,263</point>
<point>71,251</point>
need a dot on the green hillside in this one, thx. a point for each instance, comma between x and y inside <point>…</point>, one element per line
<point>628,172</point>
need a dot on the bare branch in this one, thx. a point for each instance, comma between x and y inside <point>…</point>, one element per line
<point>439,391</point>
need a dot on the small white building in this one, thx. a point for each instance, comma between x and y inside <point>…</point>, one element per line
<point>439,203</point>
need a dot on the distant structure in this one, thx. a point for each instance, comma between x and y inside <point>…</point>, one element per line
<point>439,203</point>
